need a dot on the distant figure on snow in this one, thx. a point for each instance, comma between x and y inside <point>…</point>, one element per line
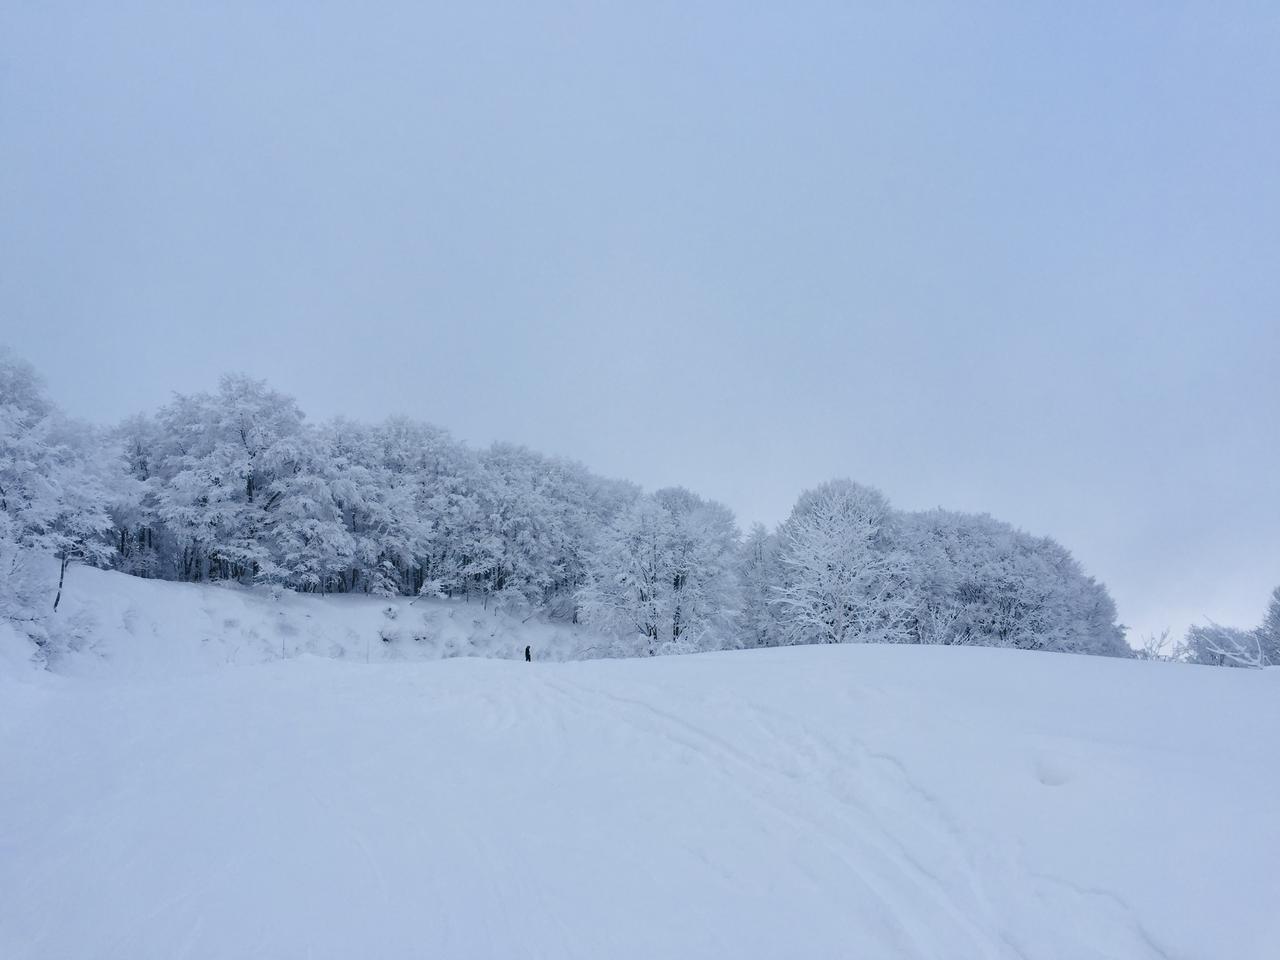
<point>528,655</point>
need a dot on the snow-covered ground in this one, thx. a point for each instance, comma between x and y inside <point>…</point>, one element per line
<point>163,798</point>
<point>121,624</point>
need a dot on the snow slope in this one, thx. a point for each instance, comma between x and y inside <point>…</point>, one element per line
<point>117,623</point>
<point>853,801</point>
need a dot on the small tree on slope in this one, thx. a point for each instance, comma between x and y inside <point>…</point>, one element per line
<point>52,497</point>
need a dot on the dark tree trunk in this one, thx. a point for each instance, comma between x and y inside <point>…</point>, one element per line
<point>62,577</point>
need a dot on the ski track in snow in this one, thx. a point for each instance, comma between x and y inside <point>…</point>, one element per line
<point>877,872</point>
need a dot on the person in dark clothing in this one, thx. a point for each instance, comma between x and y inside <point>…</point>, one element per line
<point>528,655</point>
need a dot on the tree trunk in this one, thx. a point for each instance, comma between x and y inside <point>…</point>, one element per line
<point>62,576</point>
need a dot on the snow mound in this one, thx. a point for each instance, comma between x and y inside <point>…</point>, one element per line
<point>855,801</point>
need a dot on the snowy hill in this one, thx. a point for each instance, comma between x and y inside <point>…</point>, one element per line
<point>111,622</point>
<point>176,789</point>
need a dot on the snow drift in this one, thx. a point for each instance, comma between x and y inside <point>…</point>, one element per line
<point>163,797</point>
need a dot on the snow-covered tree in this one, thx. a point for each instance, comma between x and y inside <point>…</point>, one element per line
<point>757,624</point>
<point>663,574</point>
<point>221,454</point>
<point>1215,645</point>
<point>378,509</point>
<point>446,536</point>
<point>527,546</point>
<point>843,577</point>
<point>705,592</point>
<point>1269,631</point>
<point>1157,646</point>
<point>52,497</point>
<point>132,499</point>
<point>309,544</point>
<point>76,530</point>
<point>983,582</point>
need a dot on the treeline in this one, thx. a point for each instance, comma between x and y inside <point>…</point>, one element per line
<point>236,485</point>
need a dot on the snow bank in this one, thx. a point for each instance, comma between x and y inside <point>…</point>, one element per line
<point>856,801</point>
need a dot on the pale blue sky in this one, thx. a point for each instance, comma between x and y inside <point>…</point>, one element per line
<point>1021,258</point>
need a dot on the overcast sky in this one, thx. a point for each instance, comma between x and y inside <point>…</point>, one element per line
<point>1017,258</point>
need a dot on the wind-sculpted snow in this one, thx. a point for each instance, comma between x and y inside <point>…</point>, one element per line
<point>853,801</point>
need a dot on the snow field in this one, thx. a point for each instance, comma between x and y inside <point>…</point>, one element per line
<point>852,801</point>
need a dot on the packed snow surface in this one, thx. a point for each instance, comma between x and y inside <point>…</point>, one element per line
<point>854,801</point>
